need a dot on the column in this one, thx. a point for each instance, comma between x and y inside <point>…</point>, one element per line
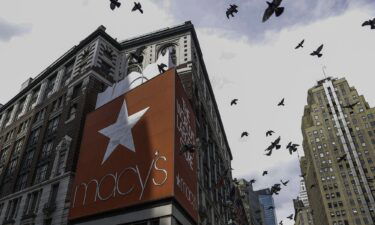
<point>13,113</point>
<point>2,119</point>
<point>58,80</point>
<point>42,92</point>
<point>26,104</point>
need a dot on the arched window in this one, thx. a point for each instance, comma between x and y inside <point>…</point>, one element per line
<point>172,51</point>
<point>133,66</point>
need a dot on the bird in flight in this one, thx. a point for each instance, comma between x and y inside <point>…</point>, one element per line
<point>370,23</point>
<point>312,186</point>
<point>271,207</point>
<point>342,158</point>
<point>274,144</point>
<point>252,181</point>
<point>281,222</point>
<point>114,4</point>
<point>350,106</point>
<point>137,56</point>
<point>269,133</point>
<point>317,51</point>
<point>264,173</point>
<point>234,101</point>
<point>273,7</point>
<point>292,147</point>
<point>300,45</point>
<point>281,103</point>
<point>137,6</point>
<point>232,9</point>
<point>275,189</point>
<point>284,183</point>
<point>245,133</point>
<point>161,67</point>
<point>290,216</point>
<point>269,153</point>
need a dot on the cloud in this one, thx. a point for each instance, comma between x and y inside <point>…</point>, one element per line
<point>211,14</point>
<point>9,30</point>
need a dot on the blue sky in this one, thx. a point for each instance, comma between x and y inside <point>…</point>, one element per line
<point>246,59</point>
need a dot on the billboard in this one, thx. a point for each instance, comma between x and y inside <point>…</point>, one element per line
<point>131,151</point>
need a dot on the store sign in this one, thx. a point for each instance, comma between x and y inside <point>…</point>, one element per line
<point>130,151</point>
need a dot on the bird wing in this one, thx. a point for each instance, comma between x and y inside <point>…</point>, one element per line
<point>303,41</point>
<point>277,2</point>
<point>368,22</point>
<point>320,48</point>
<point>113,6</point>
<point>267,14</point>
<point>228,13</point>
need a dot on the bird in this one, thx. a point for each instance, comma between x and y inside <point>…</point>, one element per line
<point>187,148</point>
<point>273,7</point>
<point>317,51</point>
<point>274,144</point>
<point>281,222</point>
<point>271,207</point>
<point>232,9</point>
<point>281,103</point>
<point>342,158</point>
<point>292,147</point>
<point>245,133</point>
<point>114,4</point>
<point>252,181</point>
<point>300,45</point>
<point>234,102</point>
<point>269,133</point>
<point>312,186</point>
<point>370,23</point>
<point>137,56</point>
<point>269,153</point>
<point>284,183</point>
<point>290,216</point>
<point>137,6</point>
<point>264,173</point>
<point>350,106</point>
<point>275,189</point>
<point>161,67</point>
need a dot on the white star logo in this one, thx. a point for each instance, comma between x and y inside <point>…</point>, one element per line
<point>120,132</point>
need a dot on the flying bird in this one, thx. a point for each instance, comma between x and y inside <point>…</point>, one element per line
<point>271,207</point>
<point>370,23</point>
<point>350,106</point>
<point>292,147</point>
<point>317,51</point>
<point>284,183</point>
<point>232,9</point>
<point>281,103</point>
<point>269,133</point>
<point>114,4</point>
<point>273,7</point>
<point>312,186</point>
<point>264,173</point>
<point>300,45</point>
<point>342,158</point>
<point>137,6</point>
<point>252,181</point>
<point>245,133</point>
<point>137,56</point>
<point>162,67</point>
<point>234,101</point>
<point>275,144</point>
<point>269,153</point>
<point>281,222</point>
<point>290,216</point>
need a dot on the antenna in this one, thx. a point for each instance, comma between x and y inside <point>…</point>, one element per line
<point>324,72</point>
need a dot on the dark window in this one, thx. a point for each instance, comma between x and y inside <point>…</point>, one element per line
<point>76,90</point>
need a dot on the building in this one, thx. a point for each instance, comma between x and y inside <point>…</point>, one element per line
<point>254,210</point>
<point>302,213</point>
<point>41,130</point>
<point>339,123</point>
<point>303,193</point>
<point>266,200</point>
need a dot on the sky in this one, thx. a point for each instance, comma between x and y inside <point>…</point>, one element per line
<point>246,59</point>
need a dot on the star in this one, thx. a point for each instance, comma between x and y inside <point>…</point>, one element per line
<point>120,132</point>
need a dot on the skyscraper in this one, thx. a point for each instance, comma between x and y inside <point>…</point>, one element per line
<point>338,140</point>
<point>41,130</point>
<point>303,193</point>
<point>266,200</point>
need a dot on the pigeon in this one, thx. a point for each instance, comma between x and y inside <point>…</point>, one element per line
<point>284,183</point>
<point>269,153</point>
<point>161,67</point>
<point>300,45</point>
<point>273,7</point>
<point>290,216</point>
<point>232,9</point>
<point>274,144</point>
<point>281,222</point>
<point>245,133</point>
<point>317,51</point>
<point>234,102</point>
<point>370,23</point>
<point>275,189</point>
<point>187,148</point>
<point>271,207</point>
<point>350,106</point>
<point>252,181</point>
<point>137,6</point>
<point>137,56</point>
<point>114,4</point>
<point>342,158</point>
<point>292,147</point>
<point>264,173</point>
<point>269,133</point>
<point>312,186</point>
<point>281,103</point>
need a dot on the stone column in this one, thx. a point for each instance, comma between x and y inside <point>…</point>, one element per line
<point>26,104</point>
<point>2,119</point>
<point>42,92</point>
<point>58,80</point>
<point>12,115</point>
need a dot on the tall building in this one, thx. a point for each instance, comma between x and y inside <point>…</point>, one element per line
<point>42,127</point>
<point>302,213</point>
<point>254,210</point>
<point>266,200</point>
<point>338,140</point>
<point>303,193</point>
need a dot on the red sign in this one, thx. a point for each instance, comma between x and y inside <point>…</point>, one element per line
<point>131,151</point>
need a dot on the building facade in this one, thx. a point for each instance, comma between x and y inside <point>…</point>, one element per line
<point>41,128</point>
<point>266,200</point>
<point>338,141</point>
<point>302,213</point>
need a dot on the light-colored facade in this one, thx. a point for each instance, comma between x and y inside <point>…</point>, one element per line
<point>303,193</point>
<point>302,215</point>
<point>339,192</point>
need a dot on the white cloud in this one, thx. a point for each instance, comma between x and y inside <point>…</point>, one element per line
<point>9,30</point>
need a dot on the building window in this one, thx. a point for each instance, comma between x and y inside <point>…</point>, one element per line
<point>172,52</point>
<point>50,85</point>
<point>52,125</point>
<point>40,116</point>
<point>60,163</point>
<point>67,73</point>
<point>32,203</point>
<point>26,163</point>
<point>76,90</point>
<point>72,112</point>
<point>12,210</point>
<point>21,182</point>
<point>34,136</point>
<point>41,174</point>
<point>17,148</point>
<point>4,156</point>
<point>12,167</point>
<point>47,149</point>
